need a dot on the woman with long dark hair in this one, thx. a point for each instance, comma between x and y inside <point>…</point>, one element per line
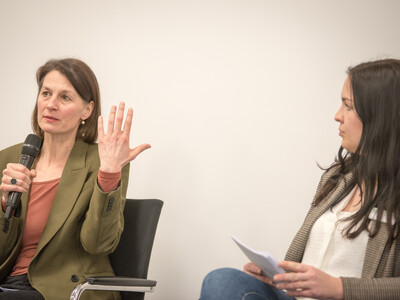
<point>348,246</point>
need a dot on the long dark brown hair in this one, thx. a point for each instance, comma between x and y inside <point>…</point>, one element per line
<point>85,83</point>
<point>375,164</point>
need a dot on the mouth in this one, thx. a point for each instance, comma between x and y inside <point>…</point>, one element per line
<point>50,118</point>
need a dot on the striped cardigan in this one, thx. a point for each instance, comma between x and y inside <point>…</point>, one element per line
<point>380,278</point>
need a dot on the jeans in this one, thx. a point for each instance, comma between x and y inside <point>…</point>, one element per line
<point>232,284</point>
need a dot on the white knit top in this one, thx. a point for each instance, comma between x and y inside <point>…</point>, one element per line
<point>327,249</point>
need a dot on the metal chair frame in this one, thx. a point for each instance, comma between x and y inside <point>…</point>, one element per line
<point>130,261</point>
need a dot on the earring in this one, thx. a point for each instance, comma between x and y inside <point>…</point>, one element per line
<point>81,130</point>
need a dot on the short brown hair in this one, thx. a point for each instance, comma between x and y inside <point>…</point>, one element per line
<point>85,83</point>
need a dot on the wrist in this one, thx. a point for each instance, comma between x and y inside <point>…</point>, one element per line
<point>110,169</point>
<point>108,181</point>
<point>339,294</point>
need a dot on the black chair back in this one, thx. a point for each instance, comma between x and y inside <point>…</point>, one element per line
<point>132,256</point>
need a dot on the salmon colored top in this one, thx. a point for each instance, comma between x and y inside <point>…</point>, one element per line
<point>41,196</point>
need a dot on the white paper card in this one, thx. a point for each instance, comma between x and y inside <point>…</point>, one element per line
<point>267,263</point>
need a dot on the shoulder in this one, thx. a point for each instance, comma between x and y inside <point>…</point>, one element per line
<point>11,154</point>
<point>335,172</point>
<point>82,147</point>
<point>327,174</point>
<point>12,148</point>
<point>83,155</point>
<point>333,181</point>
<point>92,152</point>
<point>93,148</point>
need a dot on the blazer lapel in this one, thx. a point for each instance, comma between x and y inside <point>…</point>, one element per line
<point>70,186</point>
<point>374,250</point>
<point>325,205</point>
<point>375,246</point>
<point>296,250</point>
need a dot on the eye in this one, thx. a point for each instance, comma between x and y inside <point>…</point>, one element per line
<point>348,105</point>
<point>45,93</point>
<point>66,98</point>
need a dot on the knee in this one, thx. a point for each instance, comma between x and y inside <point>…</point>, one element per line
<point>219,276</point>
<point>219,280</point>
<point>232,284</point>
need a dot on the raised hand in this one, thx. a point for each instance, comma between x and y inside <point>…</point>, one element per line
<point>114,149</point>
<point>307,281</point>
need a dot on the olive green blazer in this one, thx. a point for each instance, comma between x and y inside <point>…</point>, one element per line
<point>381,270</point>
<point>83,227</point>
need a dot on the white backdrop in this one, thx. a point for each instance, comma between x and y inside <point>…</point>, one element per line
<point>237,98</point>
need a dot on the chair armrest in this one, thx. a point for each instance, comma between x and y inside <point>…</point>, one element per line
<point>114,283</point>
<point>121,281</point>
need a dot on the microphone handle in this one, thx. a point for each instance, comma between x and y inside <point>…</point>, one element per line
<point>15,197</point>
<point>26,160</point>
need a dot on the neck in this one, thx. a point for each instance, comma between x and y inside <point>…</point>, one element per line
<point>55,150</point>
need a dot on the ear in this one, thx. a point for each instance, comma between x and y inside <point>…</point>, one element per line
<point>87,111</point>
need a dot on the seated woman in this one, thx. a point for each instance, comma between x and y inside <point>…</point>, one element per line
<point>71,212</point>
<point>348,246</point>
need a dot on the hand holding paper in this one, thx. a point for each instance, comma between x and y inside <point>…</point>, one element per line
<point>264,260</point>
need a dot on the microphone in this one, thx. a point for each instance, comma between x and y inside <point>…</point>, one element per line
<point>30,149</point>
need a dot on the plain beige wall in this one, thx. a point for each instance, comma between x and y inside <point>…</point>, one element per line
<point>237,98</point>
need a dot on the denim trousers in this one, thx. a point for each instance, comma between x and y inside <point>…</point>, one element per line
<point>232,284</point>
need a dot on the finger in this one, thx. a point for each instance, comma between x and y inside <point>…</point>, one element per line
<point>262,278</point>
<point>120,117</point>
<point>137,150</point>
<point>290,277</point>
<point>111,119</point>
<point>292,266</point>
<point>33,173</point>
<point>292,285</point>
<point>253,268</point>
<point>100,128</point>
<point>19,181</point>
<point>287,277</point>
<point>300,293</point>
<point>21,186</point>
<point>12,179</point>
<point>14,168</point>
<point>3,201</point>
<point>128,123</point>
<point>255,271</point>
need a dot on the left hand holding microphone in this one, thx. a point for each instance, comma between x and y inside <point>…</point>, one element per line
<point>16,178</point>
<point>114,149</point>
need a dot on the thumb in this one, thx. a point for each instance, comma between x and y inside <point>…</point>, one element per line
<point>3,200</point>
<point>33,173</point>
<point>137,150</point>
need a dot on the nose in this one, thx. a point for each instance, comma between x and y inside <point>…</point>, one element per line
<point>52,102</point>
<point>339,115</point>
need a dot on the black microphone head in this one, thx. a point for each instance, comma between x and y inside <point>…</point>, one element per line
<point>32,145</point>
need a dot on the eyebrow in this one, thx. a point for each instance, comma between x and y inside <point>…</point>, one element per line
<point>62,91</point>
<point>347,99</point>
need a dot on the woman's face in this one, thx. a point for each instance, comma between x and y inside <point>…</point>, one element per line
<point>350,126</point>
<point>60,108</point>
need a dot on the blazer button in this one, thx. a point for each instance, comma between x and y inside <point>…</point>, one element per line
<point>110,204</point>
<point>74,278</point>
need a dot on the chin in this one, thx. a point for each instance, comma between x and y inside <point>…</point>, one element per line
<point>349,148</point>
